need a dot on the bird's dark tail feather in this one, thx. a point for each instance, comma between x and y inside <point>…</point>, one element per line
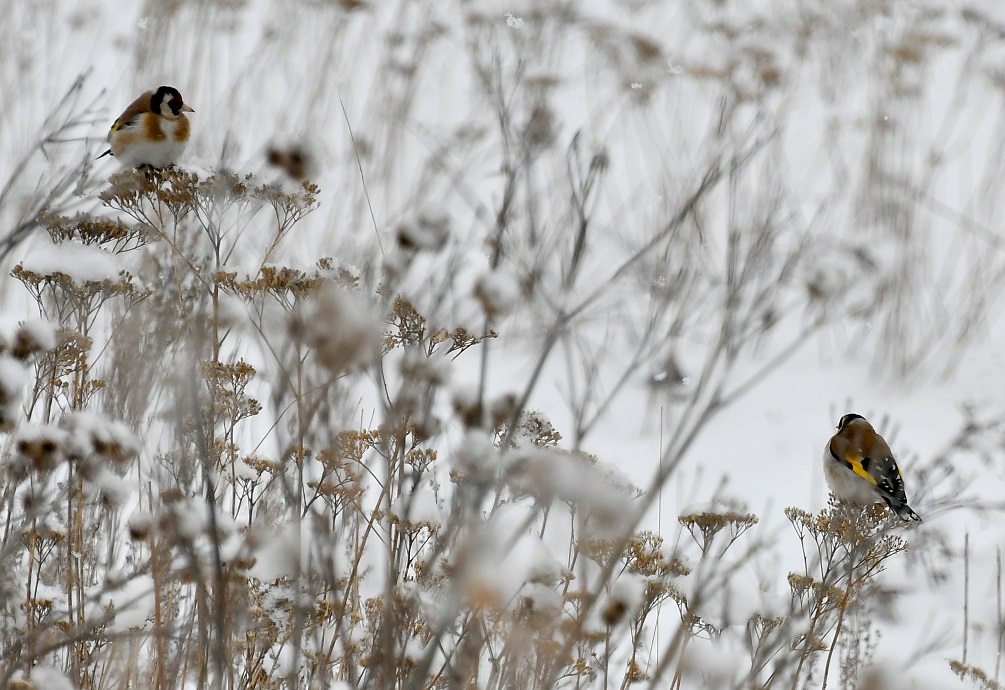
<point>106,153</point>
<point>904,512</point>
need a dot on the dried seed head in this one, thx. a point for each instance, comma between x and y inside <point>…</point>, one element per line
<point>614,612</point>
<point>623,599</point>
<point>94,439</point>
<point>32,337</point>
<point>429,231</point>
<point>342,330</point>
<point>41,447</point>
<point>294,160</point>
<point>468,407</point>
<point>171,496</point>
<point>502,408</point>
<point>113,490</point>
<point>498,292</point>
<point>476,458</point>
<point>141,524</point>
<point>540,129</point>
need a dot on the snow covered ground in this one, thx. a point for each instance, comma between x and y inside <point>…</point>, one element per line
<point>865,136</point>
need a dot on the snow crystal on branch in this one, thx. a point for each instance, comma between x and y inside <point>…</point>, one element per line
<point>82,263</point>
<point>417,508</point>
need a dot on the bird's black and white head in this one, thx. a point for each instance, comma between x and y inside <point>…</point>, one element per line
<point>848,419</point>
<point>167,101</point>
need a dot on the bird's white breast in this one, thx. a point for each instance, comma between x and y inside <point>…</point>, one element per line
<point>158,153</point>
<point>844,483</point>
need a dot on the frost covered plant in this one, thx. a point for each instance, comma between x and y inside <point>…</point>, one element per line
<point>278,438</point>
<point>31,338</point>
<point>59,477</point>
<point>704,527</point>
<point>70,472</point>
<point>342,332</point>
<point>844,548</point>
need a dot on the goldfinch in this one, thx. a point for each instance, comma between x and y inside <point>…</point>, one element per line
<point>152,131</point>
<point>860,468</point>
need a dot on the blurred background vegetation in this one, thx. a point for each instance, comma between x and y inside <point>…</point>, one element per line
<point>280,425</point>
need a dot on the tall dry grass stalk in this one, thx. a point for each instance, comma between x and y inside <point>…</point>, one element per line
<point>259,441</point>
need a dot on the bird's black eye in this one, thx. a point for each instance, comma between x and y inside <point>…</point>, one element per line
<point>176,101</point>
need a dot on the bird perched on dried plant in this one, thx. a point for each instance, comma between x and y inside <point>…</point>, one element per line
<point>860,468</point>
<point>152,131</point>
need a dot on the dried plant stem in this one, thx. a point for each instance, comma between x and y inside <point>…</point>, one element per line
<point>845,603</point>
<point>362,177</point>
<point>966,593</point>
<point>1000,613</point>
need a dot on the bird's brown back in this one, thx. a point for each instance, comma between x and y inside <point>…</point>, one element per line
<point>136,108</point>
<point>860,439</point>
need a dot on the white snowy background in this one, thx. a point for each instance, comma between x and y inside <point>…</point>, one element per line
<point>263,73</point>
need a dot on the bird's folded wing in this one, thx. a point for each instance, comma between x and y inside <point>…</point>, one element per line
<point>131,114</point>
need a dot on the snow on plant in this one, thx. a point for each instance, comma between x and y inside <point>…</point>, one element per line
<point>271,432</point>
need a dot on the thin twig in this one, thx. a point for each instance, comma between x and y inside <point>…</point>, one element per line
<point>362,177</point>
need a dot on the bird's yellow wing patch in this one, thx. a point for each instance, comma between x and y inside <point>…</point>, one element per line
<point>854,463</point>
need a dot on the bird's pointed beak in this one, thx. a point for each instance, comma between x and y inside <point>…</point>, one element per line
<point>186,109</point>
